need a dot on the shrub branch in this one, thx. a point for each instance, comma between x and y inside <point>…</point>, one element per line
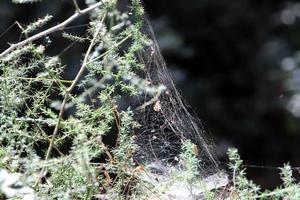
<point>65,100</point>
<point>58,27</point>
<point>68,92</point>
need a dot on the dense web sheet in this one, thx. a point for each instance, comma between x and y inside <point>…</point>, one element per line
<point>165,120</point>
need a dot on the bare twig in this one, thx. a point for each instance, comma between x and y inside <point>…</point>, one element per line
<point>76,6</point>
<point>65,100</point>
<point>68,92</point>
<point>151,101</point>
<point>11,26</point>
<point>53,29</point>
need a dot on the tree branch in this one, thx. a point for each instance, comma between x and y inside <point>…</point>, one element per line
<point>53,29</point>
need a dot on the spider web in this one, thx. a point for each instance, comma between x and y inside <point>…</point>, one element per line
<point>165,119</point>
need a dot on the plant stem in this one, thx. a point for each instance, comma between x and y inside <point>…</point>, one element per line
<point>76,6</point>
<point>68,92</point>
<point>65,100</point>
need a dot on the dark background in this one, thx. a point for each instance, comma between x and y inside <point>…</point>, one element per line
<point>236,62</point>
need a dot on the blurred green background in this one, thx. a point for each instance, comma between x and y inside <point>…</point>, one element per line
<point>236,62</point>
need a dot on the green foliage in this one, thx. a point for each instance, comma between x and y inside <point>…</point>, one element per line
<point>39,23</point>
<point>242,188</point>
<point>190,161</point>
<point>138,12</point>
<point>73,37</point>
<point>35,133</point>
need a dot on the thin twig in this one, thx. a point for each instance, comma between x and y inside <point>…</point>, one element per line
<point>69,90</point>
<point>110,50</point>
<point>118,120</point>
<point>151,101</point>
<point>53,29</point>
<point>11,26</point>
<point>65,100</point>
<point>76,6</point>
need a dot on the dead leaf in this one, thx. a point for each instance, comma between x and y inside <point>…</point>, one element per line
<point>157,106</point>
<point>233,195</point>
<point>107,177</point>
<point>195,149</point>
<point>140,169</point>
